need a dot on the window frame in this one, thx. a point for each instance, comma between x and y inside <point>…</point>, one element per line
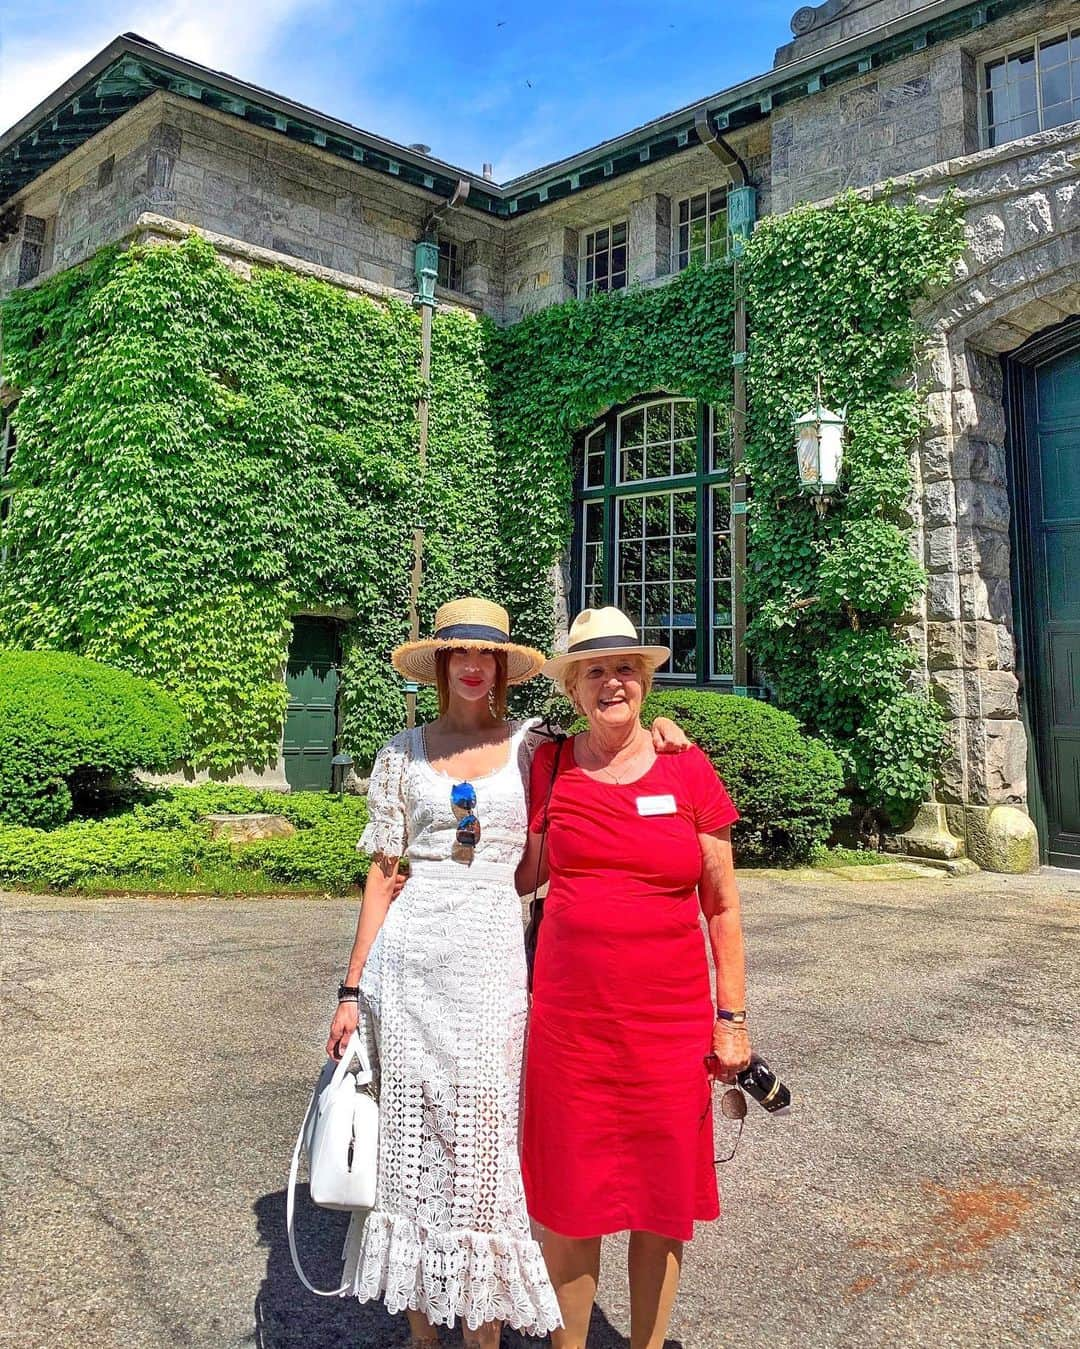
<point>584,255</point>
<point>703,481</point>
<point>708,193</point>
<point>454,270</point>
<point>1034,43</point>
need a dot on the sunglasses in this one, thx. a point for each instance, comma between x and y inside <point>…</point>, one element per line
<point>732,1106</point>
<point>463,799</point>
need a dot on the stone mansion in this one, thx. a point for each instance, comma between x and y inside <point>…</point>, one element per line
<point>982,99</point>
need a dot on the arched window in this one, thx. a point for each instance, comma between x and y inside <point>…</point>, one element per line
<point>653,530</point>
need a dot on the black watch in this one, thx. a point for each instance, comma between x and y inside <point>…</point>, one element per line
<point>736,1018</point>
<point>347,991</point>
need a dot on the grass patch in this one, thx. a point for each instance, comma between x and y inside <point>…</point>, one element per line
<point>852,857</point>
<point>161,844</point>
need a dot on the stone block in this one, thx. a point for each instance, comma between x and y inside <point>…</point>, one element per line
<point>985,235</point>
<point>940,504</point>
<point>982,504</point>
<point>941,549</point>
<point>936,459</point>
<point>1028,219</point>
<point>930,836</point>
<point>1002,838</point>
<point>992,693</point>
<point>947,690</point>
<point>250,828</point>
<point>943,598</point>
<point>986,461</point>
<point>951,784</point>
<point>1006,761</point>
<point>944,646</point>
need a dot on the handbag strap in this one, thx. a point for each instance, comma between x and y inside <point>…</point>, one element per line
<point>355,1048</point>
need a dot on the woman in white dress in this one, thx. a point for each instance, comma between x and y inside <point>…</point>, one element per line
<point>442,976</point>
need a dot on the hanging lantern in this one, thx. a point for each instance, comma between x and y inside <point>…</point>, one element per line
<point>819,444</point>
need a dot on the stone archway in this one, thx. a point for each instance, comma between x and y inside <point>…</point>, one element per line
<point>1020,275</point>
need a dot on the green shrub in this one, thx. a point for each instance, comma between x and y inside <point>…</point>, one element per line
<point>68,725</point>
<point>165,839</point>
<point>786,785</point>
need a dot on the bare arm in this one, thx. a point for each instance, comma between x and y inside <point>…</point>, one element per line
<point>719,896</point>
<point>379,890</point>
<point>525,877</point>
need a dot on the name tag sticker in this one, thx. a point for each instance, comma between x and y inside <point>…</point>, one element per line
<point>656,805</point>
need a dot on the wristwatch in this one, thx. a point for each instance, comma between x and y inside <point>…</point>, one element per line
<point>347,991</point>
<point>736,1018</point>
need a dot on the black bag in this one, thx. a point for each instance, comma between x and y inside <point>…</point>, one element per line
<point>536,908</point>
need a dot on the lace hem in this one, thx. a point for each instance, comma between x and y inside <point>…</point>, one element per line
<point>476,1276</point>
<point>382,836</point>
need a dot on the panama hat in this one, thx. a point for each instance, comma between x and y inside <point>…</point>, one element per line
<point>470,622</point>
<point>602,632</point>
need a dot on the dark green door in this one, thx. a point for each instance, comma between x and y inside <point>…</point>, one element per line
<point>1052,398</point>
<point>311,719</point>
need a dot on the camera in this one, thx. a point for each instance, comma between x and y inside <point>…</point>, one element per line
<point>758,1080</point>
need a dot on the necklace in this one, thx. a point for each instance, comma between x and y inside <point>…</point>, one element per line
<point>603,768</point>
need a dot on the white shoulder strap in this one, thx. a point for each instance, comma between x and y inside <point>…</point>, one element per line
<point>355,1048</point>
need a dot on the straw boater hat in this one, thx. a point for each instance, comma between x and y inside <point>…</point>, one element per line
<point>469,622</point>
<point>603,632</point>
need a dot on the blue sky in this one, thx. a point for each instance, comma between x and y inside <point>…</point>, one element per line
<point>517,85</point>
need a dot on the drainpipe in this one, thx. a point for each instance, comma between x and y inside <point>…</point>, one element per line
<point>742,210</point>
<point>426,259</point>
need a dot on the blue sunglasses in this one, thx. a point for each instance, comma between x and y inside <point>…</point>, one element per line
<point>463,798</point>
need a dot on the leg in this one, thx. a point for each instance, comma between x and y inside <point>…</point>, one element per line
<point>486,1336</point>
<point>574,1268</point>
<point>422,1333</point>
<point>654,1266</point>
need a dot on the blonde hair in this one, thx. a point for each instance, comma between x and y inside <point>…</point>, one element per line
<point>570,679</point>
<point>497,696</point>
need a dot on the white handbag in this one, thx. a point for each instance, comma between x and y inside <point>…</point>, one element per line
<point>340,1135</point>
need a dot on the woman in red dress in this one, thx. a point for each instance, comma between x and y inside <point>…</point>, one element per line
<point>618,1101</point>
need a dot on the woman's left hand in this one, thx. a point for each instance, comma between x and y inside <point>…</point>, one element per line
<point>730,1050</point>
<point>668,737</point>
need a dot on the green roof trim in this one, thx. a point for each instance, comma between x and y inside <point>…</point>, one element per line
<point>130,69</point>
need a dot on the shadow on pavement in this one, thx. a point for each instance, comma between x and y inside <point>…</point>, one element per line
<point>287,1316</point>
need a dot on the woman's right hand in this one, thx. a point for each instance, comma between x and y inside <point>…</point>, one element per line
<point>341,1028</point>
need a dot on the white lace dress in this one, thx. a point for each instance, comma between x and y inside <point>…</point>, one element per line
<point>445,986</point>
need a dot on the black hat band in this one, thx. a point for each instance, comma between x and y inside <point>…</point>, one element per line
<point>600,643</point>
<point>471,632</point>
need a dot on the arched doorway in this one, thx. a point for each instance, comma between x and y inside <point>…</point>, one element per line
<point>1043,381</point>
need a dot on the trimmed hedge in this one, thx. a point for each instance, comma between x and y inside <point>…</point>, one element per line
<point>68,725</point>
<point>785,784</point>
<point>166,837</point>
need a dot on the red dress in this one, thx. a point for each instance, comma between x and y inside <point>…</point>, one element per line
<point>618,1104</point>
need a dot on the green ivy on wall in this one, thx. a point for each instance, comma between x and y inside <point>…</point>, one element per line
<point>557,371</point>
<point>201,456</point>
<point>830,294</point>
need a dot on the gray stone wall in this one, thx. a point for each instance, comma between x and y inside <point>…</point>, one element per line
<point>1021,274</point>
<point>818,26</point>
<point>911,113</point>
<point>542,249</point>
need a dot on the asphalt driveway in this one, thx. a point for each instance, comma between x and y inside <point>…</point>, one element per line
<point>157,1056</point>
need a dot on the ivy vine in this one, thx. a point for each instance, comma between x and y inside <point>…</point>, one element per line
<point>830,295</point>
<point>201,456</point>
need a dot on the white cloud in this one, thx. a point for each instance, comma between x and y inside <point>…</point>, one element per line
<point>235,35</point>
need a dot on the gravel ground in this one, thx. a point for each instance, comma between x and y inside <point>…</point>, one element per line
<point>158,1055</point>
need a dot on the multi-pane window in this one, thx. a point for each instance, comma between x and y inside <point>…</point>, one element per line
<point>449,264</point>
<point>1033,88</point>
<point>604,259</point>
<point>702,228</point>
<point>654,530</point>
